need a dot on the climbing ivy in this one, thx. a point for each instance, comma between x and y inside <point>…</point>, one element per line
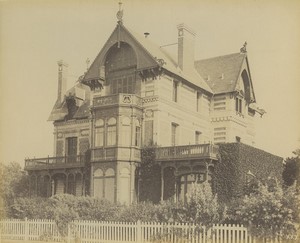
<point>149,176</point>
<point>236,160</point>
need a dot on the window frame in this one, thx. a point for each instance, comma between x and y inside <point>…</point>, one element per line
<point>174,134</point>
<point>175,91</point>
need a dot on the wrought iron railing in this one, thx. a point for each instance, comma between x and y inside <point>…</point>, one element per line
<point>187,151</point>
<point>55,162</point>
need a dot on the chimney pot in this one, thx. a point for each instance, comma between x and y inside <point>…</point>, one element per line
<point>62,79</point>
<point>186,47</point>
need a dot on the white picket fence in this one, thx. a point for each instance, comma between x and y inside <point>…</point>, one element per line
<point>95,231</point>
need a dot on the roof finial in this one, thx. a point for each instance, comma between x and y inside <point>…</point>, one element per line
<point>120,13</point>
<point>244,48</point>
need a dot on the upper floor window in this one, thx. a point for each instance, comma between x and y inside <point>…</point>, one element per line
<point>238,105</point>
<point>137,133</point>
<point>120,67</point>
<point>123,85</point>
<point>174,134</point>
<point>198,104</point>
<point>197,137</point>
<point>72,146</point>
<point>112,131</point>
<point>175,91</point>
<point>99,133</point>
<point>126,134</point>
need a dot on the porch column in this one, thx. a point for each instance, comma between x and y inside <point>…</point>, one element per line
<point>82,185</point>
<point>162,184</point>
<point>36,185</point>
<point>66,183</point>
<point>206,174</point>
<point>176,190</point>
<point>52,187</point>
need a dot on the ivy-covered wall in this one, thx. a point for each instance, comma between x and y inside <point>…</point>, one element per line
<point>149,177</point>
<point>236,159</point>
<point>230,176</point>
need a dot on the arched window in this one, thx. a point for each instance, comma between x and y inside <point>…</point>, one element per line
<point>98,183</point>
<point>99,133</point>
<point>137,133</point>
<point>111,132</point>
<point>126,131</point>
<point>120,66</point>
<point>247,87</point>
<point>186,183</point>
<point>125,186</point>
<point>109,190</point>
<point>104,184</point>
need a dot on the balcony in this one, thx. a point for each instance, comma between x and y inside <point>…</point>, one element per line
<point>198,151</point>
<point>117,99</point>
<point>55,162</point>
<point>114,153</point>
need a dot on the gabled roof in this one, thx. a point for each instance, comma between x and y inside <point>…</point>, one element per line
<point>170,64</point>
<point>221,73</point>
<point>149,55</point>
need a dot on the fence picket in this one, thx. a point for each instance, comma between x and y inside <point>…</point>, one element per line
<point>94,231</point>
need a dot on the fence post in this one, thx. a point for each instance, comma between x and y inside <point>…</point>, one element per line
<point>138,231</point>
<point>26,236</point>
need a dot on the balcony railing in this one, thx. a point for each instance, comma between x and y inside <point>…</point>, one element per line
<point>117,99</point>
<point>113,153</point>
<point>55,162</point>
<point>201,151</point>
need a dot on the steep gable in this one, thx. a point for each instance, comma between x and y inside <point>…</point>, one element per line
<point>149,55</point>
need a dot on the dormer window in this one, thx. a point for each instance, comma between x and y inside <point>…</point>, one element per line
<point>120,67</point>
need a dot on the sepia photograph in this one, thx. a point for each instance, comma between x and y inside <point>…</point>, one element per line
<point>150,121</point>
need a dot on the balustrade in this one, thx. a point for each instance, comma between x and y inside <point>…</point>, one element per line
<point>117,99</point>
<point>187,151</point>
<point>109,153</point>
<point>55,162</point>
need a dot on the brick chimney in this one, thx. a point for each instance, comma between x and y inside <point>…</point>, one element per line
<point>62,80</point>
<point>186,47</point>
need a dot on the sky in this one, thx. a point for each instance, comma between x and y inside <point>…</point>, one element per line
<point>34,35</point>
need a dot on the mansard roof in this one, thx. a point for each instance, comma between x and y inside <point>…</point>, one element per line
<point>80,94</point>
<point>149,55</point>
<point>222,72</point>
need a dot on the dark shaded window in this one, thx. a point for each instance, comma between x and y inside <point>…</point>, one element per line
<point>175,91</point>
<point>120,67</point>
<point>238,105</point>
<point>71,147</point>
<point>174,134</point>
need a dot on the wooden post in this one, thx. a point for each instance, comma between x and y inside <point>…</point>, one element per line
<point>162,185</point>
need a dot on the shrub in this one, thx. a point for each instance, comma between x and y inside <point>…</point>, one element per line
<point>32,208</point>
<point>268,211</point>
<point>201,207</point>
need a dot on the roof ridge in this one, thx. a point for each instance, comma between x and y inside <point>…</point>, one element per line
<point>232,54</point>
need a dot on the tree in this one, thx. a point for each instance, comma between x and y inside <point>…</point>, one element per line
<point>14,182</point>
<point>291,172</point>
<point>268,211</point>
